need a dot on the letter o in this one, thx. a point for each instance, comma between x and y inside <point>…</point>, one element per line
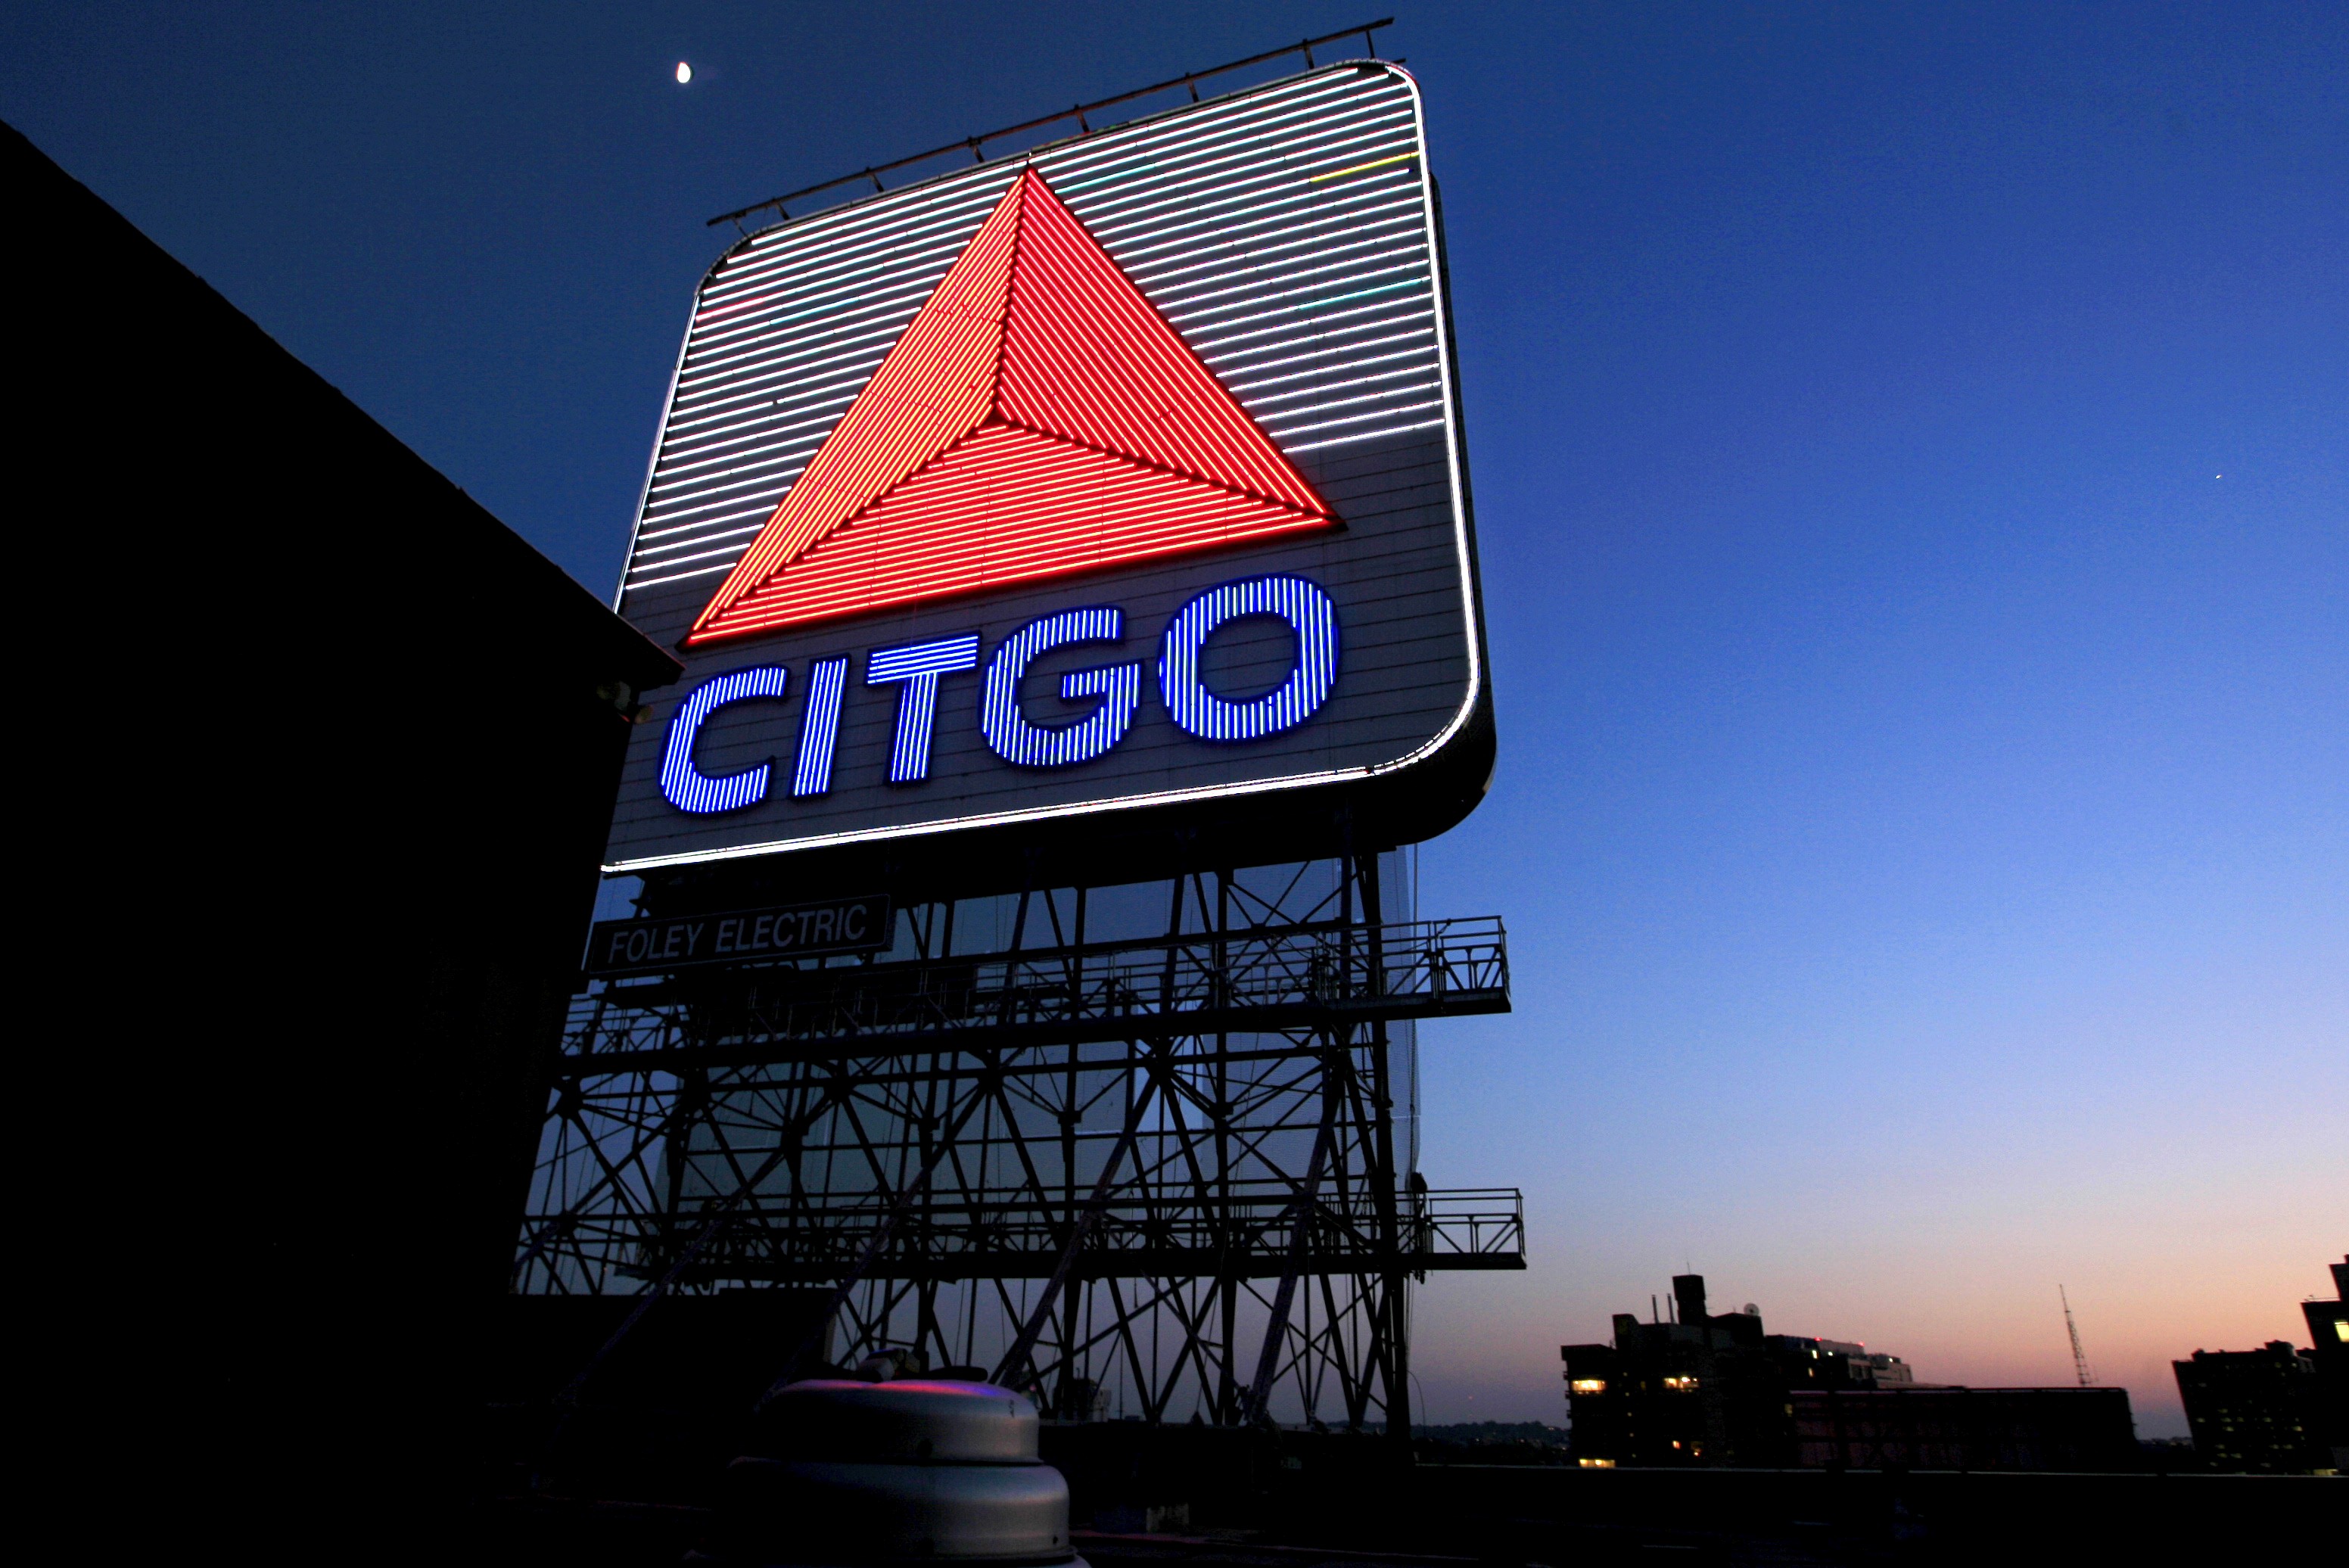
<point>1197,711</point>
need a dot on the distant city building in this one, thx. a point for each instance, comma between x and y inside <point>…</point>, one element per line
<point>2252,1410</point>
<point>1698,1390</point>
<point>2328,1335</point>
<point>1946,1428</point>
<point>1712,1388</point>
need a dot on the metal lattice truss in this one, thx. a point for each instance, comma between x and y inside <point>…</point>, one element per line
<point>1155,1174</point>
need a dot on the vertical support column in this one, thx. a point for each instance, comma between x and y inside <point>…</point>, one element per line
<point>1393,1332</point>
<point>923,1223</point>
<point>1072,1296</point>
<point>692,1103</point>
<point>1227,1285</point>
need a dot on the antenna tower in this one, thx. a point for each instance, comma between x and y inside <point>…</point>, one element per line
<point>2079,1357</point>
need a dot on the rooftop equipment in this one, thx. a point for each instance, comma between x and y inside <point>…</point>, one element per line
<point>895,1470</point>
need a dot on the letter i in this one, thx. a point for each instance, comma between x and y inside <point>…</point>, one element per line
<point>819,728</point>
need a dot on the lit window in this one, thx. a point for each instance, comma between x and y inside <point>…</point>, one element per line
<point>2341,1329</point>
<point>1596,1464</point>
<point>1590,1385</point>
<point>1681,1386</point>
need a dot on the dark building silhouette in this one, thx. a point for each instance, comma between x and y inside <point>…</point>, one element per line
<point>2252,1409</point>
<point>2328,1338</point>
<point>2274,1410</point>
<point>1964,1429</point>
<point>325,756</point>
<point>1713,1388</point>
<point>1699,1389</point>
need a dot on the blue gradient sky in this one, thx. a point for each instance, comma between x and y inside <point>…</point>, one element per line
<point>1911,448</point>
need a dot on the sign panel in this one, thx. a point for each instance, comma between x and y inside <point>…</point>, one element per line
<point>736,937</point>
<point>1122,477</point>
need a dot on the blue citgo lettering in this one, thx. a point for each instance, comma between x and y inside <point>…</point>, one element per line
<point>914,668</point>
<point>917,665</point>
<point>1118,687</point>
<point>819,728</point>
<point>686,787</point>
<point>1311,617</point>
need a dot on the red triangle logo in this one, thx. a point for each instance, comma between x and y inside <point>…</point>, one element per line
<point>1038,419</point>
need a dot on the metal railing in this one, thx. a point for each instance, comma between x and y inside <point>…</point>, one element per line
<point>1082,113</point>
<point>1282,977</point>
<point>804,1238</point>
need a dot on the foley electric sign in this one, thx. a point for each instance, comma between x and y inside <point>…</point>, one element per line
<point>1125,479</point>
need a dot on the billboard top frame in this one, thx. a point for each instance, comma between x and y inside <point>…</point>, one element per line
<point>976,144</point>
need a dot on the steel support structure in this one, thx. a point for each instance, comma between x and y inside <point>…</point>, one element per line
<point>1145,1149</point>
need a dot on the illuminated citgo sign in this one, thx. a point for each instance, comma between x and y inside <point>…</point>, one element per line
<point>915,671</point>
<point>1121,484</point>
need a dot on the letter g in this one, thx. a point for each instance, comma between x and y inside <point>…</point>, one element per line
<point>1119,686</point>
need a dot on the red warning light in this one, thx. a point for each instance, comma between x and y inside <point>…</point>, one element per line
<point>1038,419</point>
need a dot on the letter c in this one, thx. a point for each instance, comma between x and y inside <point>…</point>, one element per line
<point>686,787</point>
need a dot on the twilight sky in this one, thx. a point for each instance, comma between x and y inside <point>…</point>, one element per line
<point>1912,456</point>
